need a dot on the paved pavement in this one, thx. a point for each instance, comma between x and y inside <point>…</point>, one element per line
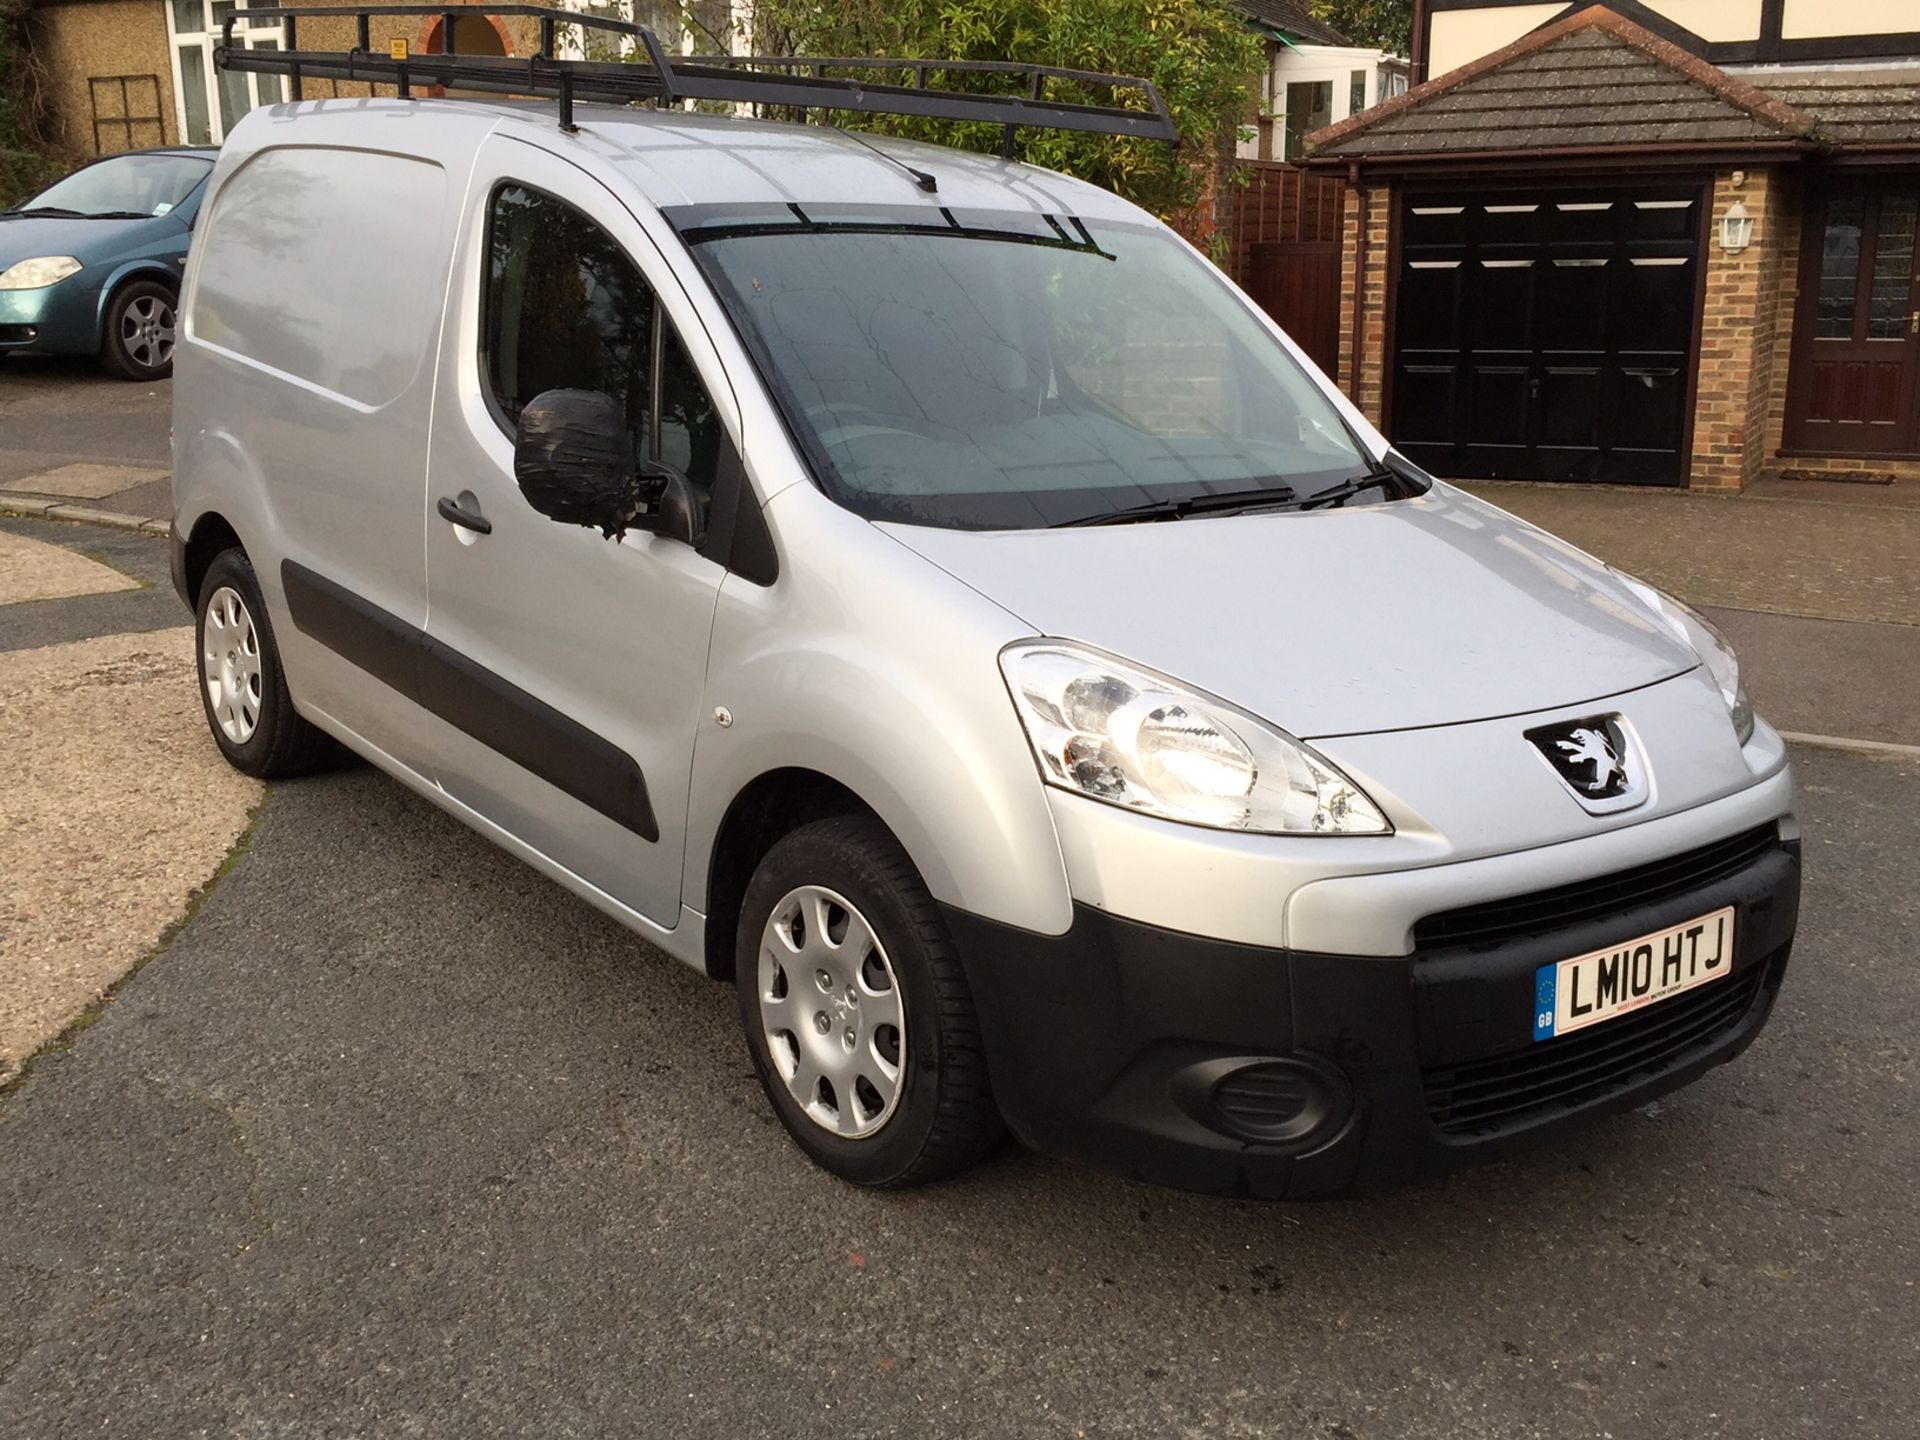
<point>397,1137</point>
<point>114,808</point>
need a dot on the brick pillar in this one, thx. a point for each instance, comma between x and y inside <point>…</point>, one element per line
<point>1735,374</point>
<point>1371,289</point>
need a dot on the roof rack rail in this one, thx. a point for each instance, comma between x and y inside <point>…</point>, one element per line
<point>806,82</point>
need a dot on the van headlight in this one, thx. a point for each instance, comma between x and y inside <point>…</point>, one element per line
<point>39,272</point>
<point>1708,643</point>
<point>1107,730</point>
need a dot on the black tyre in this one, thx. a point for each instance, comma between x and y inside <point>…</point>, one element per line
<point>857,1012</point>
<point>142,322</point>
<point>243,688</point>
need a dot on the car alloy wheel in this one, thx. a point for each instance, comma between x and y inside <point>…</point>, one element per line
<point>147,332</point>
<point>831,1012</point>
<point>230,665</point>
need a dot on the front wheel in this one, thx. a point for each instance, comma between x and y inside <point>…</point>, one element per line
<point>142,322</point>
<point>857,1012</point>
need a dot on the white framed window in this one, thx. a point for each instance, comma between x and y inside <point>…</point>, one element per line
<point>208,103</point>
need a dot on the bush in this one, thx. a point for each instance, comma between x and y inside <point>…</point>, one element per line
<point>24,167</point>
<point>24,173</point>
<point>1200,53</point>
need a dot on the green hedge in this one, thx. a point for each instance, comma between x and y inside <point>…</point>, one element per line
<point>22,172</point>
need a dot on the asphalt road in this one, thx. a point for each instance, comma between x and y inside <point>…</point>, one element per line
<point>399,1138</point>
<point>56,412</point>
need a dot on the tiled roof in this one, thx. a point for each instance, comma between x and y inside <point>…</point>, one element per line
<point>1858,107</point>
<point>1592,80</point>
<point>1295,18</point>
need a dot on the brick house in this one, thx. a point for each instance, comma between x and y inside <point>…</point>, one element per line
<point>1590,252</point>
<point>129,73</point>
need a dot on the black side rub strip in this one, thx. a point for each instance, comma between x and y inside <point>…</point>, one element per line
<point>464,693</point>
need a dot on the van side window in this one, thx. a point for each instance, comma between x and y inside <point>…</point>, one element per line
<point>567,308</point>
<point>689,425</point>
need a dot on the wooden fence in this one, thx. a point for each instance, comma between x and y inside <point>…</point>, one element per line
<point>1283,234</point>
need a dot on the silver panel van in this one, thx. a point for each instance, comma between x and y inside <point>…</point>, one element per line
<point>919,590</point>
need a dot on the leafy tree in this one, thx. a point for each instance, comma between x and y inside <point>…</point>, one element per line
<point>23,167</point>
<point>1378,24</point>
<point>1200,53</point>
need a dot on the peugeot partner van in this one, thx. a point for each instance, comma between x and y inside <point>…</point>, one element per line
<point>919,590</point>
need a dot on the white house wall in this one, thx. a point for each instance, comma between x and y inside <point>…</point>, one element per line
<point>1456,37</point>
<point>1717,21</point>
<point>1818,19</point>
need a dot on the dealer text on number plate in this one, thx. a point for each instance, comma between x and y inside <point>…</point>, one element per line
<point>1606,984</point>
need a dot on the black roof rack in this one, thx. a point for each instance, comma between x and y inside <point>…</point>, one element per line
<point>806,82</point>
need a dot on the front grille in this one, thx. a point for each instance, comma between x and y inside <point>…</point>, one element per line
<point>1507,1092</point>
<point>1567,905</point>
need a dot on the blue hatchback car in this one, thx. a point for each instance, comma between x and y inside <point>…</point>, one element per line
<point>91,265</point>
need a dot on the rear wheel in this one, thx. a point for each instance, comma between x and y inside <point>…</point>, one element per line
<point>242,686</point>
<point>141,325</point>
<point>857,1012</point>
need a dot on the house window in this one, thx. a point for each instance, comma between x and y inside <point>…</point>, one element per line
<point>208,102</point>
<point>1892,268</point>
<point>1356,92</point>
<point>1840,267</point>
<point>1309,108</point>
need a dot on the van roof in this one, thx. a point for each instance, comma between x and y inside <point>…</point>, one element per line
<point>675,157</point>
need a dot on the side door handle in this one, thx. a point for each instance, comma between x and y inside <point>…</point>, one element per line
<point>467,519</point>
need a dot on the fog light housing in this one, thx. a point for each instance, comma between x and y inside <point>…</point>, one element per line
<point>1292,1103</point>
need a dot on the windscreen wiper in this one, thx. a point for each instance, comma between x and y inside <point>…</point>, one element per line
<point>1386,475</point>
<point>56,211</point>
<point>117,215</point>
<point>1223,501</point>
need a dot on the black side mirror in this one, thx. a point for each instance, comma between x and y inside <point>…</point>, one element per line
<point>573,458</point>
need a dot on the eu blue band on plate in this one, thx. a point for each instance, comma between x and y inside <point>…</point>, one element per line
<point>1545,1000</point>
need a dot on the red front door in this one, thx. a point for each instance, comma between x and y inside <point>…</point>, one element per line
<point>1855,383</point>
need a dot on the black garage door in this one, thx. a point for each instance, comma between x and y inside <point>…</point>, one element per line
<point>1546,335</point>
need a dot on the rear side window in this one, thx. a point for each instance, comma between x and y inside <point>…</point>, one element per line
<point>566,308</point>
<point>288,274</point>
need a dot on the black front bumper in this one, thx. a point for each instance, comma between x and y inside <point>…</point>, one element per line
<point>1236,1069</point>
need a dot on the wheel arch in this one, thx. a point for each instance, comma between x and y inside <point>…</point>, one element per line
<point>210,535</point>
<point>124,275</point>
<point>767,809</point>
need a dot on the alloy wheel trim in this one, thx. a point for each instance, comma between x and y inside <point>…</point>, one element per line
<point>831,1011</point>
<point>230,665</point>
<point>147,332</point>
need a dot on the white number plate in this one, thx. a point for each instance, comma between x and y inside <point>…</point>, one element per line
<point>1573,994</point>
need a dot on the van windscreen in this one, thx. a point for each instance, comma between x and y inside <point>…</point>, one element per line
<point>1004,371</point>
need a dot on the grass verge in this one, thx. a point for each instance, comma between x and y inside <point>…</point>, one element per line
<point>90,1016</point>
